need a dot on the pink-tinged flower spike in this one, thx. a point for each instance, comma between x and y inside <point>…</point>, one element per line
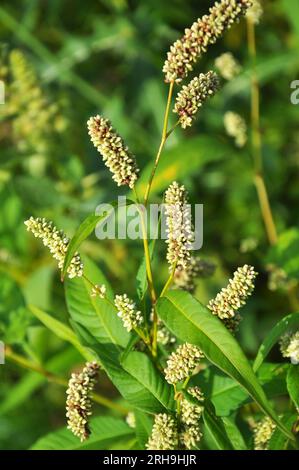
<point>57,242</point>
<point>192,96</point>
<point>78,403</point>
<point>205,31</point>
<point>115,153</point>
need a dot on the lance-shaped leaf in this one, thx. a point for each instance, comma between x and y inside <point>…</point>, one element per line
<point>133,390</point>
<point>216,428</point>
<point>143,370</point>
<point>97,315</point>
<point>293,384</point>
<point>194,323</point>
<point>86,228</point>
<point>283,326</point>
<point>105,431</point>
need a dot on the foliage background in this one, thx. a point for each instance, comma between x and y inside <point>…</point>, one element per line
<point>106,57</point>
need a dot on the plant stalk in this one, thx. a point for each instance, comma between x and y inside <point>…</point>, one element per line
<point>169,281</point>
<point>257,141</point>
<point>27,364</point>
<point>162,143</point>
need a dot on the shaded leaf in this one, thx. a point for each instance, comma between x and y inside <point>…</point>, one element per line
<point>130,388</point>
<point>104,431</point>
<point>234,434</point>
<point>278,440</point>
<point>97,315</point>
<point>194,323</point>
<point>293,384</point>
<point>285,254</point>
<point>144,424</point>
<point>273,337</point>
<point>86,228</point>
<point>141,367</point>
<point>214,425</point>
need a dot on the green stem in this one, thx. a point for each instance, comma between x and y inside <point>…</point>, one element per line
<point>169,281</point>
<point>257,141</point>
<point>27,364</point>
<point>165,134</point>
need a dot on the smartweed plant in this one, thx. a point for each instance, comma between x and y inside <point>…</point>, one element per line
<point>164,350</point>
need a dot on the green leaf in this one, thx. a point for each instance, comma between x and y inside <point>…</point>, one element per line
<point>144,424</point>
<point>61,330</point>
<point>272,338</point>
<point>143,370</point>
<point>291,8</point>
<point>227,395</point>
<point>293,384</point>
<point>234,434</point>
<point>132,342</point>
<point>104,431</point>
<point>182,160</point>
<point>194,323</point>
<point>97,315</point>
<point>215,427</point>
<point>85,229</point>
<point>278,440</point>
<point>129,387</point>
<point>285,254</point>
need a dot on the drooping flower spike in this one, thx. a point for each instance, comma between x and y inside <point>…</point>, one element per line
<point>57,242</point>
<point>205,31</point>
<point>78,403</point>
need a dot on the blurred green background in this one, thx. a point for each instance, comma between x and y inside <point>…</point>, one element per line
<point>76,59</point>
